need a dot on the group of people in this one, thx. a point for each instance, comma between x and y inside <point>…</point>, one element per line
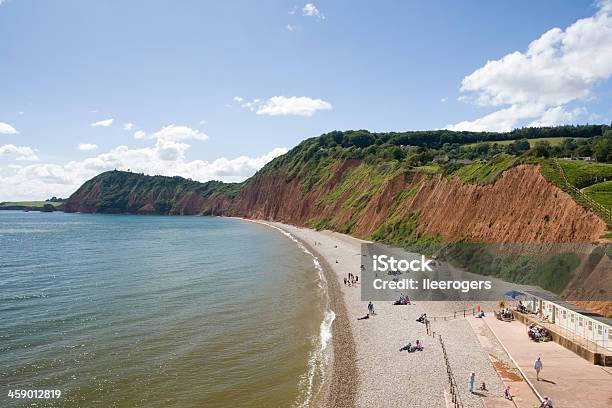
<point>537,333</point>
<point>411,348</point>
<point>472,383</point>
<point>403,300</point>
<point>352,280</point>
<point>521,307</point>
<point>483,386</point>
<point>506,314</point>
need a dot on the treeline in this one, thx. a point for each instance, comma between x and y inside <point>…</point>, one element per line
<point>435,139</point>
<point>424,147</point>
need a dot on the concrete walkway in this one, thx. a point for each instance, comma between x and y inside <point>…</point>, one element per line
<point>569,380</point>
<point>523,395</point>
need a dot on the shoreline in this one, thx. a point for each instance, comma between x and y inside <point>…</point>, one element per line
<point>339,389</point>
<point>367,368</point>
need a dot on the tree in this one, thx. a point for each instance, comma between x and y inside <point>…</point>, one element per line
<point>584,151</point>
<point>518,147</point>
<point>602,149</point>
<point>541,149</point>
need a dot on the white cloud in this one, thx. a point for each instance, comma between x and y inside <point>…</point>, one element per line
<point>499,121</point>
<point>558,116</point>
<point>88,146</point>
<point>128,126</point>
<point>294,105</point>
<point>311,10</point>
<point>25,153</point>
<point>560,67</point>
<point>20,113</point>
<point>238,99</point>
<point>103,123</point>
<point>139,134</point>
<point>203,122</point>
<point>166,156</point>
<point>290,27</point>
<point>173,133</point>
<point>7,129</point>
<point>443,100</point>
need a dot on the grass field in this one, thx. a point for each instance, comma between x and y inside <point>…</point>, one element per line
<point>28,203</point>
<point>481,172</point>
<point>602,193</point>
<point>554,141</point>
<point>432,168</point>
<point>583,174</point>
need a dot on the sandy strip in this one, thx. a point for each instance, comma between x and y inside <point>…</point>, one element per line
<point>368,370</point>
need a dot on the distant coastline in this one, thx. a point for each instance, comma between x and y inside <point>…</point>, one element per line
<point>50,205</point>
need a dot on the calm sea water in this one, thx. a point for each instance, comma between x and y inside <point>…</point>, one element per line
<point>145,311</point>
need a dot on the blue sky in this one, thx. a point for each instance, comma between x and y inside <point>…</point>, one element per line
<point>213,90</point>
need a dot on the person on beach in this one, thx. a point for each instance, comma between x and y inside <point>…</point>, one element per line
<point>370,308</point>
<point>345,281</point>
<point>408,347</point>
<point>537,366</point>
<point>472,380</point>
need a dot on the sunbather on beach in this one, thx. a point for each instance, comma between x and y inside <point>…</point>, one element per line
<point>408,347</point>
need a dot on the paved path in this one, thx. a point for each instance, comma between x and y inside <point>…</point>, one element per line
<point>569,380</point>
<point>523,395</point>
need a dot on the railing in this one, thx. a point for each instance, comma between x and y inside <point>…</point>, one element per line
<point>459,314</point>
<point>453,388</point>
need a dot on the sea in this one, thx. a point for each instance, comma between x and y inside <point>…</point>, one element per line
<point>159,311</point>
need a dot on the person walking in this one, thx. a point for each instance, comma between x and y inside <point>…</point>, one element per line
<point>370,308</point>
<point>507,394</point>
<point>537,366</point>
<point>472,381</point>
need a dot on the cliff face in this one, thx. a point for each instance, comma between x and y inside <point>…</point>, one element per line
<point>519,207</point>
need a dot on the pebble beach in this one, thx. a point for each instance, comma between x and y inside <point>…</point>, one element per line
<point>368,370</point>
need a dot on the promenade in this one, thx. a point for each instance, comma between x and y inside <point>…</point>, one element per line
<point>567,378</point>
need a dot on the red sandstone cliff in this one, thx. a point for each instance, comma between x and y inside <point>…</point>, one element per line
<point>521,206</point>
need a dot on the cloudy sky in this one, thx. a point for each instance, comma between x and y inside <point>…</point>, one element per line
<point>215,89</point>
